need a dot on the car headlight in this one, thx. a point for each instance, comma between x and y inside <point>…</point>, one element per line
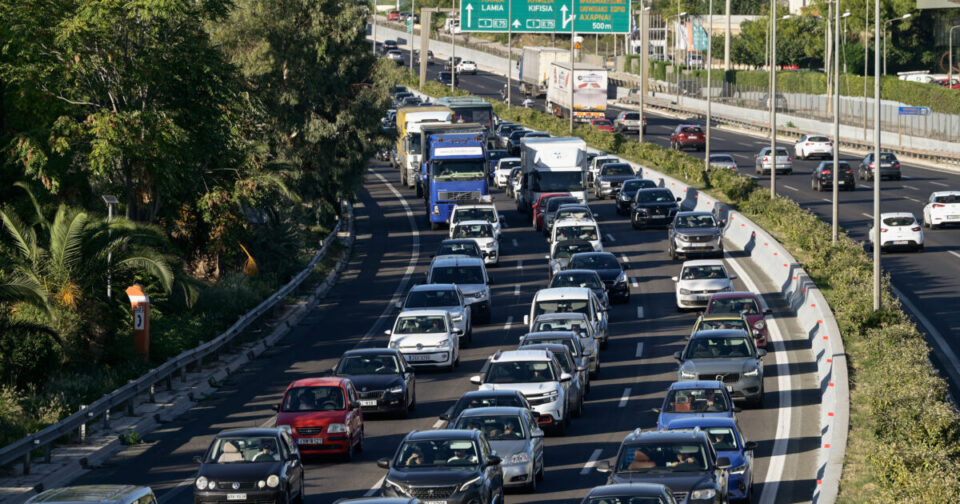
<point>604,183</point>
<point>703,493</point>
<point>552,396</point>
<point>444,344</point>
<point>684,291</point>
<point>261,484</point>
<point>335,428</point>
<point>479,294</point>
<point>466,486</point>
<point>490,245</point>
<point>687,375</point>
<point>395,390</point>
<point>518,458</point>
<point>201,483</point>
<point>396,486</point>
<point>641,210</point>
<point>753,372</point>
<point>624,197</point>
<point>683,238</point>
<point>622,278</point>
<point>394,344</point>
<point>739,469</point>
<point>760,324</point>
<point>273,481</point>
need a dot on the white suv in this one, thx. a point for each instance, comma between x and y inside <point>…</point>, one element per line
<point>426,338</point>
<point>813,145</point>
<point>698,280</point>
<point>483,234</point>
<point>943,207</point>
<point>570,300</point>
<point>470,275</point>
<point>442,296</point>
<point>477,212</point>
<point>501,174</point>
<point>537,375</point>
<point>576,229</point>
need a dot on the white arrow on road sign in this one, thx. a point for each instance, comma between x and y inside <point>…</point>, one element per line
<point>516,23</point>
<point>469,8</point>
<point>563,13</point>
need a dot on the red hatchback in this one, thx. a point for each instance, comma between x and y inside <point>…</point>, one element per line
<point>324,415</point>
<point>686,136</point>
<point>603,124</point>
<point>746,304</point>
<point>393,15</point>
<point>540,206</point>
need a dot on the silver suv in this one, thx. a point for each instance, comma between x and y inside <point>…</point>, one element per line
<point>695,233</point>
<point>101,494</point>
<point>628,121</point>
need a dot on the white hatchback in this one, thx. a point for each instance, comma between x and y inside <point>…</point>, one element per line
<point>467,66</point>
<point>943,207</point>
<point>898,230</point>
<point>501,174</point>
<point>483,233</point>
<point>700,279</point>
<point>813,145</point>
<point>426,338</point>
<point>576,229</point>
<point>476,212</point>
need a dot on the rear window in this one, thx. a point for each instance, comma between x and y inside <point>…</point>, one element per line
<point>899,221</point>
<point>887,156</point>
<point>950,198</point>
<point>631,116</point>
<point>555,203</point>
<point>691,129</point>
<point>818,139</point>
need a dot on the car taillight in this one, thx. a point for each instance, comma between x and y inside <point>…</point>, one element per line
<point>827,172</point>
<point>917,228</point>
<point>938,205</point>
<point>808,144</point>
<point>765,159</point>
<point>883,230</point>
<point>791,159</point>
<point>896,164</point>
<point>871,165</point>
<point>830,144</point>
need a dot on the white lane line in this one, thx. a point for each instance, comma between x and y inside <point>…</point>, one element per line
<point>170,494</point>
<point>634,283</point>
<point>610,237</point>
<point>591,462</point>
<point>868,186</point>
<point>508,324</point>
<point>627,259</point>
<point>519,264</point>
<point>639,312</point>
<point>956,254</point>
<point>865,214</point>
<point>828,200</point>
<point>790,187</point>
<point>436,425</point>
<point>515,244</point>
<point>376,486</point>
<point>911,187</point>
<point>625,397</point>
<point>639,350</point>
<point>915,200</point>
<point>516,290</point>
<point>941,184</point>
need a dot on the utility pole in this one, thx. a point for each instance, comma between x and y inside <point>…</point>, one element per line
<point>374,48</point>
<point>573,62</point>
<point>950,58</point>
<point>453,55</point>
<point>644,63</point>
<point>709,65</point>
<point>726,42</point>
<point>773,98</point>
<point>866,62</point>
<point>876,158</point>
<point>828,53</point>
<point>413,13</point>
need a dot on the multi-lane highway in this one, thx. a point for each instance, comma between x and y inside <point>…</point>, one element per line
<point>393,250</point>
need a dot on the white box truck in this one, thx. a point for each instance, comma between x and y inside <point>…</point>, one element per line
<point>589,91</point>
<point>551,165</point>
<point>535,65</point>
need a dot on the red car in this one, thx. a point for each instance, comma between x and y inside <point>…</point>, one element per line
<point>688,135</point>
<point>954,84</point>
<point>393,15</point>
<point>324,415</point>
<point>603,124</point>
<point>745,303</point>
<point>540,206</point>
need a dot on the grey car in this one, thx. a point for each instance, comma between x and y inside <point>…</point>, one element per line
<point>764,163</point>
<point>695,233</point>
<point>610,178</point>
<point>570,210</point>
<point>889,167</point>
<point>575,389</point>
<point>577,323</point>
<point>628,121</point>
<point>563,251</point>
<point>514,435</point>
<point>579,363</point>
<point>727,355</point>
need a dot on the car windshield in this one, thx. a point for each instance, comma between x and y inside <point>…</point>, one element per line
<point>722,438</point>
<point>473,231</point>
<point>431,298</point>
<point>949,198</point>
<point>727,323</point>
<point>457,275</point>
<point>520,372</point>
<point>656,196</point>
<point>314,399</point>
<point>458,169</point>
<point>559,181</point>
<point>703,272</point>
<point>602,122</point>
<point>691,129</point>
<point>594,261</point>
<point>829,165</point>
<point>243,449</point>
<point>696,221</point>
<point>588,280</point>
<point>562,306</point>
<point>616,169</point>
<point>817,139</point>
<point>468,402</point>
<point>495,427</point>
<point>663,457</point>
<point>518,134</point>
<point>421,324</point>
<point>636,185</point>
<point>555,203</point>
<point>368,365</point>
<point>509,165</point>
<point>744,305</point>
<point>550,340</point>
<point>566,324</point>
<point>464,248</point>
<point>695,401</point>
<point>454,454</point>
<point>899,221</point>
<point>576,213</point>
<point>624,500</point>
<point>719,348</point>
<point>413,142</point>
<point>480,115</point>
<point>586,232</point>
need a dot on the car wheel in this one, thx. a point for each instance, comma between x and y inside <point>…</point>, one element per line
<point>301,495</point>
<point>532,486</point>
<point>350,453</point>
<point>579,411</point>
<point>603,344</point>
<point>758,402</point>
<point>434,226</point>
<point>634,223</point>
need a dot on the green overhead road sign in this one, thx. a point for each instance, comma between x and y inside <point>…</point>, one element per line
<point>545,16</point>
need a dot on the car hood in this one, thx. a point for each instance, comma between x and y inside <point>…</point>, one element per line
<point>608,275</point>
<point>651,204</point>
<point>675,481</point>
<point>709,284</point>
<point>506,448</point>
<point>468,289</point>
<point>310,418</point>
<point>524,388</point>
<point>432,477</point>
<point>698,231</point>
<point>245,472</point>
<point>375,382</point>
<point>431,339</point>
<point>720,366</point>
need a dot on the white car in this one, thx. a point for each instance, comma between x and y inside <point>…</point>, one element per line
<point>501,174</point>
<point>898,230</point>
<point>470,275</point>
<point>442,296</point>
<point>426,337</point>
<point>537,375</point>
<point>813,145</point>
<point>571,300</point>
<point>698,280</point>
<point>596,164</point>
<point>481,232</point>
<point>576,229</point>
<point>477,212</point>
<point>467,66</point>
<point>943,207</point>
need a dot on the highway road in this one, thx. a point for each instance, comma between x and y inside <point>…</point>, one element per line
<point>926,282</point>
<point>392,250</point>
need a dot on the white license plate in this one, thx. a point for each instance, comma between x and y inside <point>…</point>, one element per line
<point>843,182</point>
<point>701,298</point>
<point>310,441</point>
<point>901,242</point>
<point>368,402</point>
<point>729,388</point>
<point>953,216</point>
<point>434,502</point>
<point>236,497</point>
<point>417,357</point>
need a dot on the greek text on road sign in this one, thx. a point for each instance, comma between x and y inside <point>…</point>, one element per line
<point>546,16</point>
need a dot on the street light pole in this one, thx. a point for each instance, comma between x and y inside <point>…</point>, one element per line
<point>643,67</point>
<point>950,58</point>
<point>676,49</point>
<point>509,49</point>
<point>876,158</point>
<point>453,55</point>
<point>413,13</point>
<point>111,201</point>
<point>709,65</point>
<point>573,62</point>
<point>885,23</point>
<point>836,127</point>
<point>773,98</point>
<point>374,48</point>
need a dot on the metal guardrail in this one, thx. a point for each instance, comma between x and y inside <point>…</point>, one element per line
<point>125,395</point>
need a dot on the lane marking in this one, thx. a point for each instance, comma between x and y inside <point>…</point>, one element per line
<point>516,290</point>
<point>634,283</point>
<point>591,462</point>
<point>790,187</point>
<point>915,200</point>
<point>941,184</point>
<point>639,312</point>
<point>911,187</point>
<point>639,350</point>
<point>505,225</point>
<point>865,214</point>
<point>868,186</point>
<point>828,200</point>
<point>519,263</point>
<point>376,486</point>
<point>610,237</point>
<point>515,244</point>
<point>625,397</point>
<point>625,258</point>
<point>954,253</point>
<point>508,324</point>
<point>436,425</point>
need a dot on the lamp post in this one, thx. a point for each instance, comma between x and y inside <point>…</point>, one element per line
<point>509,49</point>
<point>413,12</point>
<point>453,52</point>
<point>950,58</point>
<point>876,156</point>
<point>885,23</point>
<point>676,42</point>
<point>836,127</point>
<point>709,65</point>
<point>773,98</point>
<point>643,67</point>
<point>374,48</point>
<point>111,201</point>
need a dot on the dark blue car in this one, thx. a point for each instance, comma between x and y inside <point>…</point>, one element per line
<point>729,442</point>
<point>695,399</point>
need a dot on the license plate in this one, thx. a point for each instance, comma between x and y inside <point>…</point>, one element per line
<point>236,497</point>
<point>953,216</point>
<point>841,182</point>
<point>901,242</point>
<point>417,357</point>
<point>368,402</point>
<point>729,388</point>
<point>434,502</point>
<point>700,298</point>
<point>310,441</point>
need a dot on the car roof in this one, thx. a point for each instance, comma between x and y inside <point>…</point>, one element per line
<point>719,333</point>
<point>578,270</point>
<point>508,159</point>
<point>421,312</point>
<point>703,262</point>
<point>562,293</point>
<point>457,260</point>
<point>695,384</point>
<point>575,206</point>
<point>522,356</point>
<point>735,294</point>
<point>435,434</point>
<point>945,193</point>
<point>704,421</point>
<point>630,489</point>
<point>372,351</point>
<point>319,381</point>
<point>721,316</point>
<point>896,214</point>
<point>89,493</point>
<point>492,410</point>
<point>594,253</point>
<point>552,347</point>
<point>568,243</point>
<point>550,334</point>
<point>574,221</point>
<point>434,287</point>
<point>472,222</point>
<point>691,212</point>
<point>457,241</point>
<point>258,431</point>
<point>476,205</point>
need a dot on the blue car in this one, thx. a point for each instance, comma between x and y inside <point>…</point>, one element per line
<point>729,442</point>
<point>695,399</point>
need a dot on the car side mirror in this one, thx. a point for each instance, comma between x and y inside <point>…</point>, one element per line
<point>655,410</point>
<point>354,404</point>
<point>444,417</point>
<point>675,279</point>
<point>750,445</point>
<point>723,463</point>
<point>275,407</point>
<point>458,331</point>
<point>197,460</point>
<point>565,377</point>
<point>767,311</point>
<point>493,460</point>
<point>723,222</point>
<point>679,199</point>
<point>490,281</point>
<point>581,368</point>
<point>387,332</point>
<point>476,380</point>
<point>678,355</point>
<point>761,353</point>
<point>383,463</point>
<point>733,277</point>
<point>737,409</point>
<point>399,305</point>
<point>604,466</point>
<point>536,433</point>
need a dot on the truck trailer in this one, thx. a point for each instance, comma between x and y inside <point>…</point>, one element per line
<point>589,91</point>
<point>535,65</point>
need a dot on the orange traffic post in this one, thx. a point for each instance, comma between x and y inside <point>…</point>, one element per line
<point>140,304</point>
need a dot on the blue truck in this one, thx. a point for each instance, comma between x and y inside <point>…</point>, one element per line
<point>453,169</point>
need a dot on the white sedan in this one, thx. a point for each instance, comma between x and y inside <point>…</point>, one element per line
<point>467,66</point>
<point>813,145</point>
<point>700,279</point>
<point>943,207</point>
<point>898,230</point>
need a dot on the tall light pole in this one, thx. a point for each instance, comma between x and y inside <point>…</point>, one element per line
<point>509,49</point>
<point>709,65</point>
<point>950,58</point>
<point>773,98</point>
<point>573,62</point>
<point>643,66</point>
<point>413,13</point>
<point>111,201</point>
<point>836,128</point>
<point>453,52</point>
<point>866,62</point>
<point>885,23</point>
<point>726,42</point>
<point>374,48</point>
<point>676,43</point>
<point>876,157</point>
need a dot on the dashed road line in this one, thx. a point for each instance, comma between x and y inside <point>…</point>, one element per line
<point>828,200</point>
<point>868,186</point>
<point>915,200</point>
<point>790,187</point>
<point>634,283</point>
<point>954,253</point>
<point>591,462</point>
<point>515,243</point>
<point>519,263</point>
<point>610,237</point>
<point>516,290</point>
<point>639,312</point>
<point>865,214</point>
<point>941,184</point>
<point>625,258</point>
<point>911,187</point>
<point>625,397</point>
<point>639,350</point>
<point>508,323</point>
<point>375,488</point>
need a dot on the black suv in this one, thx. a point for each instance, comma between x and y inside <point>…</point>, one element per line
<point>628,192</point>
<point>683,460</point>
<point>452,466</point>
<point>653,207</point>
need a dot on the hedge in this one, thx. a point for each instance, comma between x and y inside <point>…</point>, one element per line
<point>904,443</point>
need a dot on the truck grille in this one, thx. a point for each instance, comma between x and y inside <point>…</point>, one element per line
<point>726,378</point>
<point>228,485</point>
<point>432,492</point>
<point>459,195</point>
<point>679,496</point>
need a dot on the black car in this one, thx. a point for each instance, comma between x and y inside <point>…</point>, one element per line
<point>459,246</point>
<point>653,207</point>
<point>610,178</point>
<point>822,178</point>
<point>384,380</point>
<point>412,101</point>
<point>608,267</point>
<point>683,460</point>
<point>889,167</point>
<point>389,45</point>
<point>451,466</point>
<point>485,399</point>
<point>379,500</point>
<point>513,141</point>
<point>250,465</point>
<point>444,78</point>
<point>628,192</point>
<point>640,493</point>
